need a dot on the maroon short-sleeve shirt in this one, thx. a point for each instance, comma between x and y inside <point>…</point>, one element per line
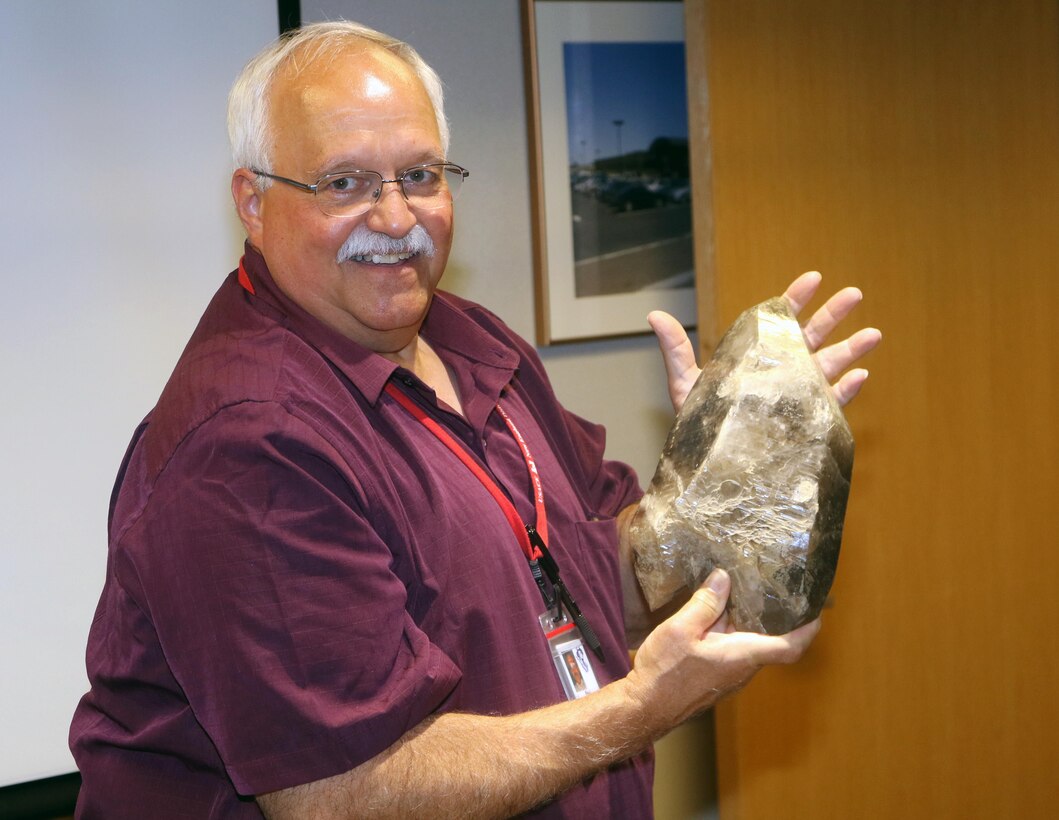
<point>299,572</point>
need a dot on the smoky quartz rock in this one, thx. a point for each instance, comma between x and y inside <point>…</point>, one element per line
<point>754,478</point>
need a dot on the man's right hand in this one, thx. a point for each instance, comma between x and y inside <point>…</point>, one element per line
<point>695,658</point>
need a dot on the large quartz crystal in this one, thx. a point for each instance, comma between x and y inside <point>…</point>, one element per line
<point>754,478</point>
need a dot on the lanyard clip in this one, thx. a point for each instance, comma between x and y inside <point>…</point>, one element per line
<point>547,563</point>
<point>544,564</point>
<point>562,594</point>
<point>538,576</point>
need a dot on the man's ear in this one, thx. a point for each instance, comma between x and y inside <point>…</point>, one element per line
<point>248,204</point>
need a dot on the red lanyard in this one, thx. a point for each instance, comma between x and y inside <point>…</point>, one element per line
<point>532,541</point>
<point>244,278</point>
<point>531,550</point>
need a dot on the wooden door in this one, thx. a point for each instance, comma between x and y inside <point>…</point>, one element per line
<point>910,147</point>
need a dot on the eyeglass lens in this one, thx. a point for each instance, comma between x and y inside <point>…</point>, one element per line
<point>425,187</point>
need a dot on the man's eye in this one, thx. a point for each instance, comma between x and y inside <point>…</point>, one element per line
<point>421,177</point>
<point>344,186</point>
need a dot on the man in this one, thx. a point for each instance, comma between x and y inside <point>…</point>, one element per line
<point>331,589</point>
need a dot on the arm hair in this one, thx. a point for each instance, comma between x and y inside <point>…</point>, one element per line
<point>475,766</point>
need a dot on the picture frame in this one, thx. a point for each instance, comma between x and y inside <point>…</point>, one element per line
<point>612,223</point>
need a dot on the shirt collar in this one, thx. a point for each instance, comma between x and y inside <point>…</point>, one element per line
<point>447,326</point>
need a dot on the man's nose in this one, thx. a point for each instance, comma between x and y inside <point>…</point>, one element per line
<point>390,213</point>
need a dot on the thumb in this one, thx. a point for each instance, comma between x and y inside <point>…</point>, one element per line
<point>678,354</point>
<point>707,602</point>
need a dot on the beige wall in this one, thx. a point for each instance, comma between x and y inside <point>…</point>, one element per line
<point>913,148</point>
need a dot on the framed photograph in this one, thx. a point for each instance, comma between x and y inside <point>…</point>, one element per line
<point>608,117</point>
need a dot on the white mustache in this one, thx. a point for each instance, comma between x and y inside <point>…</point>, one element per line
<point>363,241</point>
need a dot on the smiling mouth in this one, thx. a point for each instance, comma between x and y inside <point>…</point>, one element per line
<point>383,259</point>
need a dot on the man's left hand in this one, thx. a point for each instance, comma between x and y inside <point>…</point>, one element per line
<point>834,359</point>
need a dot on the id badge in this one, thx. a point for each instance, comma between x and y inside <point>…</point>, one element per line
<point>568,652</point>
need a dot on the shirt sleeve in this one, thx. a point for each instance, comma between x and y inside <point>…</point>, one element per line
<point>275,602</point>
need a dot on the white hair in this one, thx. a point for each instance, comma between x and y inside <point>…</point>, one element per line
<point>249,130</point>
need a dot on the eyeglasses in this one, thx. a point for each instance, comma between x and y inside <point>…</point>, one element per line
<point>351,193</point>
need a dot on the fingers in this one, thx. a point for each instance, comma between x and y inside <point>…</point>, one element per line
<point>802,290</point>
<point>826,319</point>
<point>847,388</point>
<point>705,613</point>
<point>796,642</point>
<point>678,354</point>
<point>672,338</point>
<point>839,356</point>
<point>835,358</point>
<point>705,609</point>
<point>763,650</point>
<point>694,658</point>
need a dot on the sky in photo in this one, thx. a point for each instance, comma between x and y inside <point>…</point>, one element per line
<point>641,84</point>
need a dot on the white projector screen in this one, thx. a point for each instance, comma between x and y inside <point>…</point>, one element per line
<point>115,229</point>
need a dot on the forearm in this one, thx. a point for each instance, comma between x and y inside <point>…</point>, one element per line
<point>458,765</point>
<point>464,766</point>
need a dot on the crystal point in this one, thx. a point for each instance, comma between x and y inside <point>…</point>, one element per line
<point>754,478</point>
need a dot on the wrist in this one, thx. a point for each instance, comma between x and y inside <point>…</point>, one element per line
<point>638,701</point>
